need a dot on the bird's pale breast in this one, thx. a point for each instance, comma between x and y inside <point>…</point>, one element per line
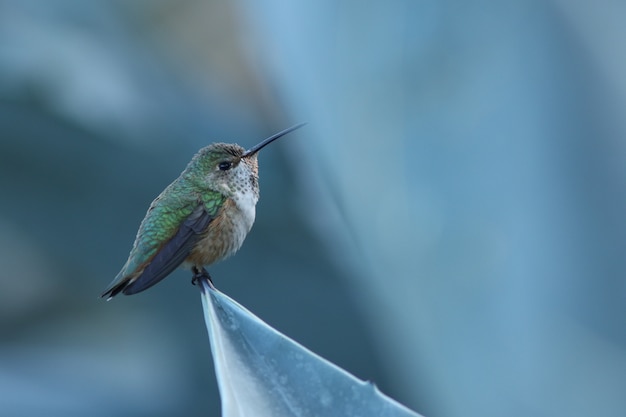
<point>227,231</point>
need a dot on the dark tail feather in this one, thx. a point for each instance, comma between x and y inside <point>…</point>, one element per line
<point>113,290</point>
<point>129,286</point>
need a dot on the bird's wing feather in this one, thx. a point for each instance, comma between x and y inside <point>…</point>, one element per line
<point>174,252</point>
<point>175,221</point>
<point>163,239</point>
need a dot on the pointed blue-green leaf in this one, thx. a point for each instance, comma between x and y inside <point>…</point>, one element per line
<point>263,373</point>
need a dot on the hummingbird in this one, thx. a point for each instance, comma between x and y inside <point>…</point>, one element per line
<point>202,217</point>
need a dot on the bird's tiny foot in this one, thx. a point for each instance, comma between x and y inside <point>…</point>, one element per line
<point>200,274</point>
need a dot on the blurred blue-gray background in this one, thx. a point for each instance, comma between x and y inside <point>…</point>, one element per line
<point>450,223</point>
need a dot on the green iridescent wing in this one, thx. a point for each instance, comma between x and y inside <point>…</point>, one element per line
<point>173,225</point>
<point>173,253</point>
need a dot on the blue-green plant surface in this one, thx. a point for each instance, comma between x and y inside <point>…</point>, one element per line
<point>263,373</point>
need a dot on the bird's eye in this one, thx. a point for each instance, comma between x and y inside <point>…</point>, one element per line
<point>225,166</point>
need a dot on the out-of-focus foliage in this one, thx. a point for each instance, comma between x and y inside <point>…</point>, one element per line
<point>263,373</point>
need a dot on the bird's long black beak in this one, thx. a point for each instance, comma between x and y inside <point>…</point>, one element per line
<point>269,140</point>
